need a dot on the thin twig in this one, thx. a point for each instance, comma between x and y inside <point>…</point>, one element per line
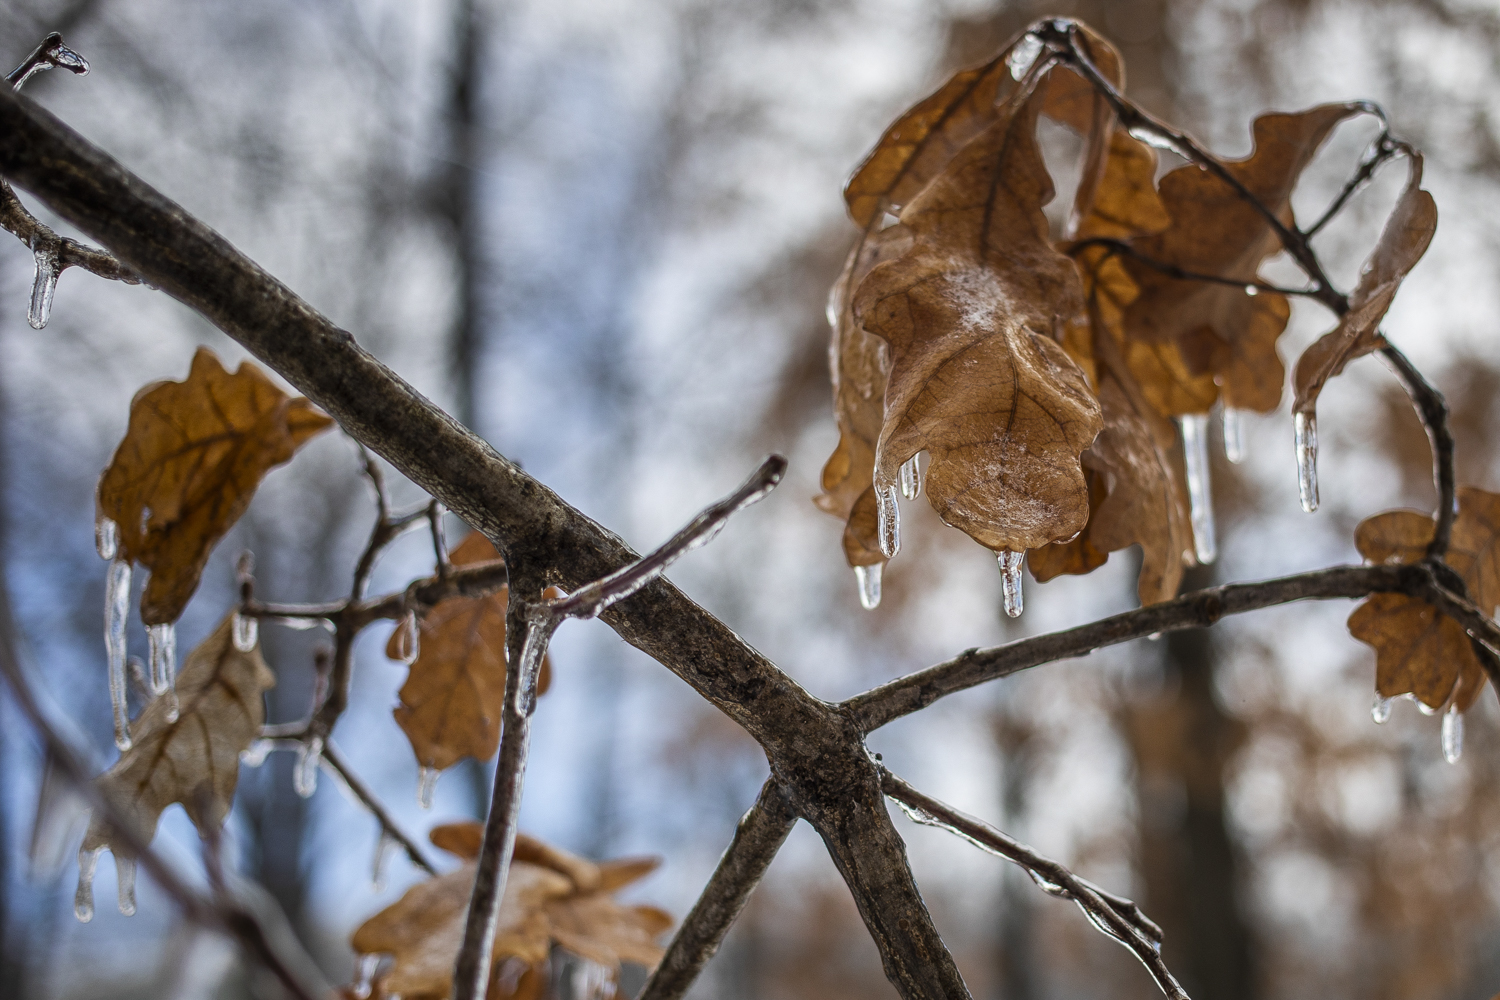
<point>1381,150</point>
<point>760,834</point>
<point>1116,916</point>
<point>1122,247</point>
<point>1432,408</point>
<point>363,792</point>
<point>439,543</point>
<point>51,54</point>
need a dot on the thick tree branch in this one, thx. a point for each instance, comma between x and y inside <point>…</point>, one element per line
<point>760,834</point>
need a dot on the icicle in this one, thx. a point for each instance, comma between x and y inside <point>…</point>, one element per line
<point>889,520</point>
<point>43,288</point>
<point>163,658</point>
<point>116,607</point>
<point>1234,434</point>
<point>1380,710</point>
<point>592,981</point>
<point>125,881</point>
<point>246,629</point>
<point>106,537</point>
<point>255,754</point>
<point>426,785</point>
<point>868,578</point>
<point>1200,492</point>
<point>911,478</point>
<point>1010,580</point>
<point>1307,460</point>
<point>305,773</point>
<point>364,975</point>
<point>83,897</point>
<point>1023,55</point>
<point>408,643</point>
<point>383,852</point>
<point>1453,734</point>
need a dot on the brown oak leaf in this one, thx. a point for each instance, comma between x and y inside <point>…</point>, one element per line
<point>1224,330</point>
<point>452,699</point>
<point>551,896</point>
<point>191,459</point>
<point>194,757</point>
<point>1404,240</point>
<point>970,314</point>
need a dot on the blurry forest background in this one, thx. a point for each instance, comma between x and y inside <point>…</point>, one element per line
<point>602,232</point>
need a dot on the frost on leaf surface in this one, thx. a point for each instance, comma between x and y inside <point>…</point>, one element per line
<point>452,699</point>
<point>194,758</point>
<point>551,897</point>
<point>191,459</point>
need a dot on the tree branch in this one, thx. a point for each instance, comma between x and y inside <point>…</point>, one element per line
<point>339,766</point>
<point>1432,408</point>
<point>1122,247</point>
<point>757,838</point>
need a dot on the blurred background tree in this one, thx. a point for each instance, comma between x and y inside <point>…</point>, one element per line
<point>601,233</point>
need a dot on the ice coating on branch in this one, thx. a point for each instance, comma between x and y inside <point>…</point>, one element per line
<point>1023,56</point>
<point>106,537</point>
<point>83,896</point>
<point>43,288</point>
<point>305,773</point>
<point>1234,434</point>
<point>125,882</point>
<point>592,981</point>
<point>364,975</point>
<point>246,630</point>
<point>1010,581</point>
<point>1200,492</point>
<point>1380,710</point>
<point>255,754</point>
<point>116,607</point>
<point>163,656</point>
<point>888,517</point>
<point>911,478</point>
<point>868,578</point>
<point>1152,137</point>
<point>1306,425</point>
<point>408,641</point>
<point>426,786</point>
<point>1453,734</point>
<point>383,851</point>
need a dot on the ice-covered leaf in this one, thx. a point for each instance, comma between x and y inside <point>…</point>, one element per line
<point>1402,243</point>
<point>970,314</point>
<point>1221,330</point>
<point>1402,536</point>
<point>186,748</point>
<point>452,699</point>
<point>191,459</point>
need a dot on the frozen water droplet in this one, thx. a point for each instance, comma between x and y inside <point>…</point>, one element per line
<point>364,975</point>
<point>911,478</point>
<point>408,641</point>
<point>1306,425</point>
<point>1453,734</point>
<point>888,220</point>
<point>1380,710</point>
<point>125,879</point>
<point>832,309</point>
<point>43,288</point>
<point>889,521</point>
<point>106,537</point>
<point>255,754</point>
<point>1422,706</point>
<point>1010,581</point>
<point>83,897</point>
<point>1200,492</point>
<point>116,607</point>
<point>246,629</point>
<point>868,578</point>
<point>426,786</point>
<point>1023,55</point>
<point>383,851</point>
<point>305,773</point>
<point>1152,137</point>
<point>1155,637</point>
<point>1234,434</point>
<point>1252,291</point>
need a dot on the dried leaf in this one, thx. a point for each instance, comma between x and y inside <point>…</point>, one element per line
<point>195,759</point>
<point>971,313</point>
<point>190,461</point>
<point>1221,330</point>
<point>1402,536</point>
<point>1404,240</point>
<point>452,699</point>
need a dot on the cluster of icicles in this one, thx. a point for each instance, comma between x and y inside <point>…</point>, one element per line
<point>1453,723</point>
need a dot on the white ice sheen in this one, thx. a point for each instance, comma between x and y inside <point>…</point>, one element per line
<point>246,630</point>
<point>383,851</point>
<point>106,537</point>
<point>409,644</point>
<point>255,754</point>
<point>911,478</point>
<point>1200,492</point>
<point>305,773</point>
<point>1153,138</point>
<point>1380,710</point>
<point>1453,734</point>
<point>163,657</point>
<point>83,896</point>
<point>43,288</point>
<point>1252,291</point>
<point>868,578</point>
<point>426,786</point>
<point>592,981</point>
<point>1023,55</point>
<point>125,882</point>
<point>364,975</point>
<point>888,517</point>
<point>1306,426</point>
<point>1010,581</point>
<point>1234,434</point>
<point>116,607</point>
